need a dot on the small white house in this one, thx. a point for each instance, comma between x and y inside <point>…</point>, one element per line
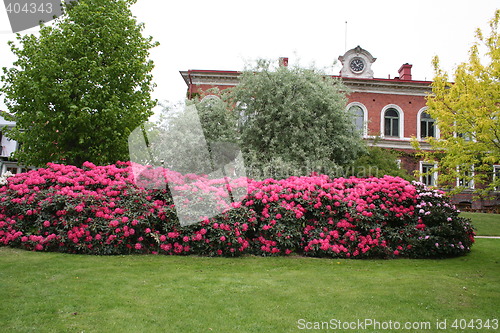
<point>7,147</point>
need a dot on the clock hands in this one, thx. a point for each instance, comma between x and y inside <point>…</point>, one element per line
<point>357,65</point>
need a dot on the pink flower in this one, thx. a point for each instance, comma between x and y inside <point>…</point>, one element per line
<point>46,224</point>
<point>223,238</point>
<point>138,246</point>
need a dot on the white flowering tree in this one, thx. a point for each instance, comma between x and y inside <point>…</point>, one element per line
<point>294,119</point>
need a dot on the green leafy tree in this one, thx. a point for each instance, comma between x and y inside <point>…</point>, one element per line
<point>467,113</point>
<point>378,162</point>
<point>219,120</point>
<point>293,121</point>
<point>78,89</point>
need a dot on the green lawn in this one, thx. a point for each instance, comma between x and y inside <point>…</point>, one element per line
<point>486,224</point>
<point>52,292</point>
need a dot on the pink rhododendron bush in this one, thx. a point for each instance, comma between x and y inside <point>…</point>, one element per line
<point>101,210</point>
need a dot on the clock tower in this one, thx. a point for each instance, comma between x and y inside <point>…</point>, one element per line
<point>357,63</point>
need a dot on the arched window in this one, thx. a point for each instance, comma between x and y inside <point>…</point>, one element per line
<point>391,122</point>
<point>210,100</point>
<point>427,126</point>
<point>465,136</point>
<point>358,117</point>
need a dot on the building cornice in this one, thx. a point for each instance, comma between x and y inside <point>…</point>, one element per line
<point>388,86</point>
<point>210,77</point>
<point>404,143</point>
<point>376,85</point>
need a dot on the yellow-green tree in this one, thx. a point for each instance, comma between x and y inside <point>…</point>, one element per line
<point>467,113</point>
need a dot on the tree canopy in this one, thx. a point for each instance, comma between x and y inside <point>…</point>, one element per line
<point>467,113</point>
<point>293,120</point>
<point>78,89</point>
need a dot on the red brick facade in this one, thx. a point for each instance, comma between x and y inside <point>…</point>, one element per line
<point>374,96</point>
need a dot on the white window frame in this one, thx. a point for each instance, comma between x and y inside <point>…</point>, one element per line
<point>496,167</point>
<point>419,125</point>
<point>365,116</point>
<point>473,139</point>
<point>471,184</point>
<point>434,174</point>
<point>210,97</point>
<point>401,120</point>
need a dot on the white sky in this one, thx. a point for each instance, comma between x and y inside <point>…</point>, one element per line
<point>226,34</point>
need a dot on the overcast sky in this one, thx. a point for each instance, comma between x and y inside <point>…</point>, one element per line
<point>226,34</point>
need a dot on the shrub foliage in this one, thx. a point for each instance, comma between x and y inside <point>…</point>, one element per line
<point>100,210</point>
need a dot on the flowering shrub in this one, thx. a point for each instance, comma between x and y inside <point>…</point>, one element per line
<point>354,218</point>
<point>101,210</point>
<point>440,231</point>
<point>3,178</point>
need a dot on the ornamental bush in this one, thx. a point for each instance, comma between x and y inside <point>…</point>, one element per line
<point>101,210</point>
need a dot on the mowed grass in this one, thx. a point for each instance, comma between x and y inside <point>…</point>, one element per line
<point>52,292</point>
<point>486,224</point>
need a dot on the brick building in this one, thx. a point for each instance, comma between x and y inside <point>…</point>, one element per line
<point>388,111</point>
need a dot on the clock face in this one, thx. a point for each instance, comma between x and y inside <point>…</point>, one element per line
<point>357,65</point>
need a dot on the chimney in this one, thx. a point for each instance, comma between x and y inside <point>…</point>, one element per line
<point>405,72</point>
<point>283,62</point>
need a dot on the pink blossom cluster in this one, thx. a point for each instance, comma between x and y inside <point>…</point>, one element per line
<point>106,210</point>
<point>330,217</point>
<point>102,210</point>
